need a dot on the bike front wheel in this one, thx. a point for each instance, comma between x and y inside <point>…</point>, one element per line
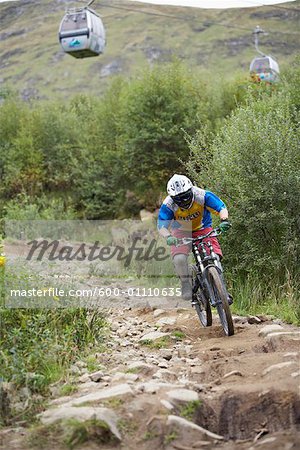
<point>220,298</point>
<point>200,302</point>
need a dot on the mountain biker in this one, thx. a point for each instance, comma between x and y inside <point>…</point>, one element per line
<point>186,211</point>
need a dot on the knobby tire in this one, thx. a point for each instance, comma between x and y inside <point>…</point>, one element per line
<point>202,305</point>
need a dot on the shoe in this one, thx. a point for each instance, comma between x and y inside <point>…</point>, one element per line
<point>230,299</point>
<point>186,290</point>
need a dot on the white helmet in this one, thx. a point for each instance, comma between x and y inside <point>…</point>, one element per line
<point>179,187</point>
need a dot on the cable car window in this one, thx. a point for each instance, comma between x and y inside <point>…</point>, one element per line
<point>261,64</point>
<point>74,22</point>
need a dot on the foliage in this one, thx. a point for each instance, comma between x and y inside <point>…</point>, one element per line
<point>189,409</point>
<point>38,345</point>
<point>101,158</point>
<point>253,164</point>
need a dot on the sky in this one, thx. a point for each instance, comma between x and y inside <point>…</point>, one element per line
<point>209,4</point>
<point>219,4</point>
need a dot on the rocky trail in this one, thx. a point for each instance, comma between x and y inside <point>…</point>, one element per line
<point>167,383</point>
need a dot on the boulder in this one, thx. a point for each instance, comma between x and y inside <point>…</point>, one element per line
<point>283,340</point>
<point>96,376</point>
<point>181,396</point>
<point>158,312</point>
<point>120,390</point>
<point>267,329</point>
<point>186,426</point>
<point>82,414</point>
<point>153,335</point>
<point>166,321</point>
<point>279,366</point>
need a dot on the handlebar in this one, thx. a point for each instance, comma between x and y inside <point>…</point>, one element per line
<point>215,232</point>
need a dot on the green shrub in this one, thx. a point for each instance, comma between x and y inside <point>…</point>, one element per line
<point>38,345</point>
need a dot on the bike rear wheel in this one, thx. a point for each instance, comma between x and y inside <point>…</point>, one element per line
<point>220,297</point>
<point>200,302</point>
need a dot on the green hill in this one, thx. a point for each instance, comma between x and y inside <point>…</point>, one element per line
<point>218,41</point>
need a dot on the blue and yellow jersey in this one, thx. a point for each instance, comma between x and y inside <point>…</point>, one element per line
<point>196,217</point>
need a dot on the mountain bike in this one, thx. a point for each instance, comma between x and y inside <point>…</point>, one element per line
<point>208,284</point>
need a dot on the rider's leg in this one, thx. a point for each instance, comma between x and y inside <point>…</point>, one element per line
<point>181,268</point>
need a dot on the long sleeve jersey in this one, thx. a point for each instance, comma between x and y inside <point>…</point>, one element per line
<point>196,217</point>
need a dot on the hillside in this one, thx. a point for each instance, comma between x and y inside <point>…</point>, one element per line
<point>33,63</point>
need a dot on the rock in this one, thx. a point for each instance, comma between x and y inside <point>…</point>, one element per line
<point>283,339</point>
<point>84,378</point>
<point>267,329</point>
<point>74,370</point>
<point>197,370</point>
<point>152,336</point>
<point>91,386</point>
<point>279,366</point>
<point>151,387</point>
<point>80,364</point>
<point>166,353</point>
<point>141,366</point>
<point>268,440</point>
<point>291,355</point>
<point>141,405</point>
<point>120,390</point>
<point>125,376</point>
<point>96,376</point>
<point>166,321</point>
<point>158,312</point>
<point>239,319</point>
<point>167,405</point>
<point>123,332</point>
<point>296,374</point>
<point>164,374</point>
<point>184,424</point>
<point>253,320</point>
<point>233,373</point>
<point>82,414</point>
<point>179,396</point>
<point>163,365</point>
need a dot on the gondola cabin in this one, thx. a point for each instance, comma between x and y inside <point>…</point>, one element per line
<point>264,68</point>
<point>81,33</point>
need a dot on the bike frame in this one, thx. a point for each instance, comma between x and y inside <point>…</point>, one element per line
<point>204,261</point>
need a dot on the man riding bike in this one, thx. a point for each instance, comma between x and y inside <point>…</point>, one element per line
<point>186,211</point>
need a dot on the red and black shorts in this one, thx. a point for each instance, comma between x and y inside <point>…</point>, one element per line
<point>186,248</point>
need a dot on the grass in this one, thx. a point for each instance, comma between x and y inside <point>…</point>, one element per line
<point>178,335</point>
<point>133,370</point>
<point>162,342</point>
<point>113,402</point>
<point>188,411</point>
<point>68,389</point>
<point>127,426</point>
<point>170,437</point>
<point>150,435</point>
<point>92,364</point>
<point>255,298</point>
<point>71,434</point>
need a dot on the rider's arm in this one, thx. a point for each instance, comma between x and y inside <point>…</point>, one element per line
<point>214,204</point>
<point>165,218</point>
<point>224,214</point>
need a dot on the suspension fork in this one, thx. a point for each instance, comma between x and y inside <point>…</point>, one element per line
<point>200,266</point>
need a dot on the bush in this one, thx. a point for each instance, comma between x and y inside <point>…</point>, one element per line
<point>254,164</point>
<point>38,345</point>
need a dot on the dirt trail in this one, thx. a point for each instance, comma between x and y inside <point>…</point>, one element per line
<point>242,392</point>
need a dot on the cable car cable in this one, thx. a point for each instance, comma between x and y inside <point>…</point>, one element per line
<point>186,19</point>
